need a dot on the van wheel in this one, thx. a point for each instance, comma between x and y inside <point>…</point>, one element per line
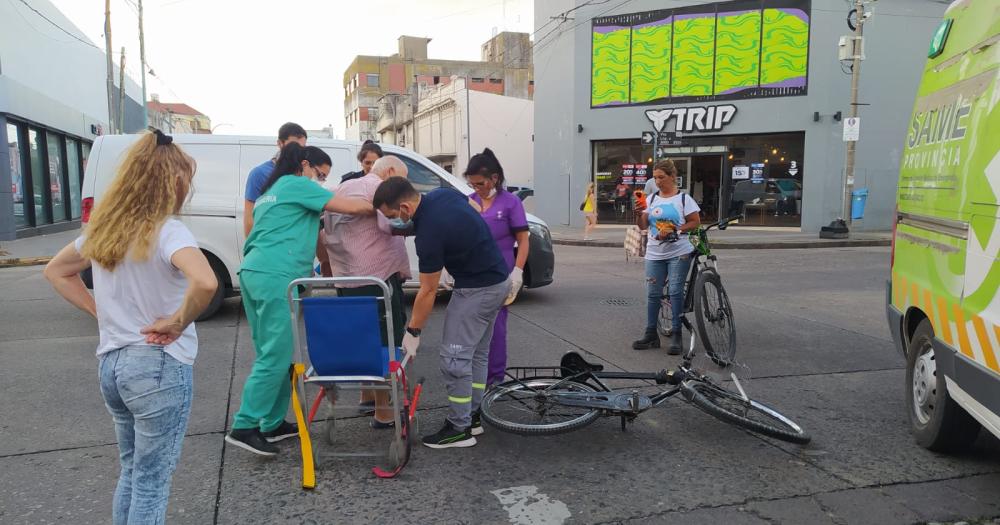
<point>216,302</point>
<point>937,421</point>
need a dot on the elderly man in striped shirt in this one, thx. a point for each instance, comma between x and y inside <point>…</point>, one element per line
<point>360,246</point>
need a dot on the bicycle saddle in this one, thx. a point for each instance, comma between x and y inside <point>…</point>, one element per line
<point>573,363</point>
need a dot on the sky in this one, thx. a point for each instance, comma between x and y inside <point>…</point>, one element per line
<point>251,65</point>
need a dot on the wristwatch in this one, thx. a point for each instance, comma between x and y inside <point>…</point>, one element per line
<point>415,332</point>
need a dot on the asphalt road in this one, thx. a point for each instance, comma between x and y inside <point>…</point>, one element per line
<point>813,343</point>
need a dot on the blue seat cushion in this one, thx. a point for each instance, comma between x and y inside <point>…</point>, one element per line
<point>343,336</point>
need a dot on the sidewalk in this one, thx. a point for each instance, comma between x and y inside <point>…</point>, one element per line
<point>735,237</point>
<point>34,250</point>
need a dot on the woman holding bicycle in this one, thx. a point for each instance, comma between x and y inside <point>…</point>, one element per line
<point>669,214</point>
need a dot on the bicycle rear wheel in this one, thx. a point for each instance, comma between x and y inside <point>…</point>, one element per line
<point>714,315</point>
<point>531,407</point>
<point>751,415</point>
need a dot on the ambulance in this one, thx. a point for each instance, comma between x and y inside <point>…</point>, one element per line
<point>942,303</point>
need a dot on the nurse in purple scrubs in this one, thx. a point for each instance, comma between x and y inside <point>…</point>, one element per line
<point>504,214</point>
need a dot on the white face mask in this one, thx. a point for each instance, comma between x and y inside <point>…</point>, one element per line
<point>493,193</point>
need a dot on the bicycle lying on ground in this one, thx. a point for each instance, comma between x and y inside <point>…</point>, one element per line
<point>551,400</point>
<point>705,296</point>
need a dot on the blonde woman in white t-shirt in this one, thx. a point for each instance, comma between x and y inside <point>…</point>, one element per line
<point>150,282</point>
<point>669,214</point>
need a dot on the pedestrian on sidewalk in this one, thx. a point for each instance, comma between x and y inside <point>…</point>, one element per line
<point>365,245</point>
<point>451,235</point>
<point>589,209</point>
<point>669,214</point>
<point>370,152</point>
<point>278,251</point>
<point>508,224</point>
<point>150,283</point>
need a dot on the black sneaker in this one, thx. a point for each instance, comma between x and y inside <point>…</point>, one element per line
<point>477,425</point>
<point>284,431</point>
<point>251,439</point>
<point>449,437</point>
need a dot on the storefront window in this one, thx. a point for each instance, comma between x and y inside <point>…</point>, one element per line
<point>75,177</point>
<point>17,175</point>
<point>767,178</point>
<point>56,162</point>
<point>620,167</point>
<point>42,215</point>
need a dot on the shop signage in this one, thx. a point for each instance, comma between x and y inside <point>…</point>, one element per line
<point>628,170</point>
<point>793,169</point>
<point>647,138</point>
<point>693,118</point>
<point>741,172</point>
<point>757,172</point>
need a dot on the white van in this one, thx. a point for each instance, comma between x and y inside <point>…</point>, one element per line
<point>215,211</point>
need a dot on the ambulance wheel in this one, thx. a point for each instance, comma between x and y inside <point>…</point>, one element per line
<point>937,421</point>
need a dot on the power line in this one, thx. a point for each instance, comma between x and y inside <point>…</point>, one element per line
<point>47,19</point>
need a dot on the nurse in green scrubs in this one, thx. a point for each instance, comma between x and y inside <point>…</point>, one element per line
<point>280,249</point>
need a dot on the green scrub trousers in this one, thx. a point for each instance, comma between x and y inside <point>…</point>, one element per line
<point>268,388</point>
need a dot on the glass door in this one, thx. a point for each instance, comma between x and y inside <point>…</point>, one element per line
<point>683,165</point>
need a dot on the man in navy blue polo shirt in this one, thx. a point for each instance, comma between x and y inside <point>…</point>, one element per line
<point>451,235</point>
<point>288,132</point>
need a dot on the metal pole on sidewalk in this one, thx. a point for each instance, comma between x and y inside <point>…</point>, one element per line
<point>142,60</point>
<point>121,93</point>
<point>855,80</point>
<point>111,66</point>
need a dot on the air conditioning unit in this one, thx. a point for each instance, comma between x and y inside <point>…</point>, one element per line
<point>851,47</point>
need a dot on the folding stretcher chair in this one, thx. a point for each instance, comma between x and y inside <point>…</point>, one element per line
<point>341,337</point>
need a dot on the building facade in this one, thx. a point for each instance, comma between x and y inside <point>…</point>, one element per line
<point>176,117</point>
<point>53,103</point>
<point>451,122</point>
<point>375,83</point>
<point>747,97</point>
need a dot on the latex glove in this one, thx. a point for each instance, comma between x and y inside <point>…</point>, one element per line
<point>516,280</point>
<point>410,345</point>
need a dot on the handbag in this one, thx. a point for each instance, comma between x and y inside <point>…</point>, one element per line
<point>583,205</point>
<point>635,242</point>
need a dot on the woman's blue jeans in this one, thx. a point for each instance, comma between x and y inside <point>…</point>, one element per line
<point>148,394</point>
<point>658,274</point>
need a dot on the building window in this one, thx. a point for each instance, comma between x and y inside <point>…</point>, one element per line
<point>531,82</point>
<point>53,144</point>
<point>496,81</point>
<point>39,193</point>
<point>75,177</point>
<point>477,80</point>
<point>18,175</point>
<point>371,80</point>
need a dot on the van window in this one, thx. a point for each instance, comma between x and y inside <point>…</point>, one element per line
<point>422,178</point>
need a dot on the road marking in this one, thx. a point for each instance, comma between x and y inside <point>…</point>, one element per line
<point>526,506</point>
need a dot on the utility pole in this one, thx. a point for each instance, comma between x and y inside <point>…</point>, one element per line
<point>142,59</point>
<point>111,66</point>
<point>858,46</point>
<point>121,94</point>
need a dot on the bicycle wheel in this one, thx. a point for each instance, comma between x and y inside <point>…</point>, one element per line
<point>531,407</point>
<point>714,315</point>
<point>665,322</point>
<point>751,415</point>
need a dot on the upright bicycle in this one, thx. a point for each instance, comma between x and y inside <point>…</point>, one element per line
<point>705,296</point>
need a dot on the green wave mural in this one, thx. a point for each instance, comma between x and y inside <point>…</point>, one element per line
<point>694,47</point>
<point>640,58</point>
<point>737,52</point>
<point>651,62</point>
<point>785,48</point>
<point>609,76</point>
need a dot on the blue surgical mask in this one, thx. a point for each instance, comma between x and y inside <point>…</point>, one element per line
<point>400,224</point>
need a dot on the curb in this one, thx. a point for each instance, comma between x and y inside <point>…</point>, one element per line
<point>722,245</point>
<point>24,261</point>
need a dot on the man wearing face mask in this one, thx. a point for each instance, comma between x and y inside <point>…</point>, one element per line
<point>365,245</point>
<point>451,235</point>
